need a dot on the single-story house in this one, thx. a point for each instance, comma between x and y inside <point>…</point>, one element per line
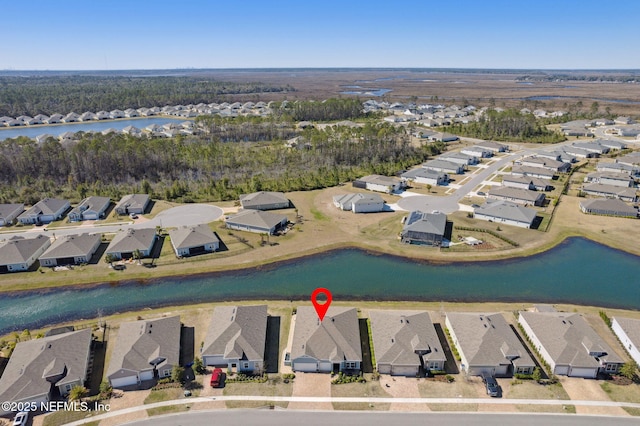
<point>425,176</point>
<point>632,159</point>
<point>611,191</point>
<point>193,240</point>
<point>405,343</point>
<point>517,195</point>
<point>38,366</point>
<point>506,212</point>
<point>424,228</point>
<point>477,151</point>
<point>359,203</point>
<point>607,207</point>
<point>493,146</point>
<point>125,243</point>
<point>526,182</point>
<point>257,221</point>
<point>264,201</point>
<point>9,213</point>
<point>144,350</point>
<point>132,203</point>
<point>612,144</point>
<point>628,332</point>
<point>618,168</point>
<point>443,137</point>
<point>45,211</point>
<point>610,178</point>
<point>236,338</point>
<point>444,166</point>
<point>71,250</point>
<point>568,344</point>
<point>487,345</point>
<point>579,152</point>
<point>18,254</point>
<point>595,146</point>
<point>42,138</point>
<point>549,155</point>
<point>91,208</point>
<point>460,158</point>
<point>545,163</point>
<point>379,183</point>
<point>54,119</point>
<point>330,345</point>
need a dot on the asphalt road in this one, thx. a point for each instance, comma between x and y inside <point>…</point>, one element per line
<point>328,418</point>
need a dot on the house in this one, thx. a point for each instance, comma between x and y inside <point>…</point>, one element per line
<point>144,350</point>
<point>579,152</point>
<point>596,147</point>
<point>257,221</point>
<point>54,119</point>
<point>41,368</point>
<point>611,191</point>
<point>132,131</point>
<point>631,170</point>
<point>424,228</point>
<point>91,208</point>
<point>132,203</point>
<point>9,213</point>
<point>444,166</point>
<point>628,332</point>
<point>632,159</point>
<point>549,155</point>
<point>623,120</point>
<point>379,183</point>
<point>610,178</point>
<point>545,163</point>
<point>517,195</point>
<point>487,345</point>
<point>193,240</point>
<point>612,144</point>
<point>103,115</point>
<point>71,250</point>
<point>506,212</point>
<point>477,151</point>
<point>116,113</point>
<point>607,207</point>
<point>425,176</point>
<point>568,344</point>
<point>444,137</point>
<point>526,182</point>
<point>45,211</point>
<point>405,343</point>
<point>460,158</point>
<point>18,254</point>
<point>236,339</point>
<point>359,203</point>
<point>493,146</point>
<point>130,113</point>
<point>330,345</point>
<point>264,201</point>
<point>125,243</point>
<point>42,138</point>
<point>87,116</point>
<point>537,172</point>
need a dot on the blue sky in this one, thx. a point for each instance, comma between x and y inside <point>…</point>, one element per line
<point>136,34</point>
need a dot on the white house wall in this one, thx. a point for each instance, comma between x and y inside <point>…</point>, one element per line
<point>501,220</point>
<point>626,342</point>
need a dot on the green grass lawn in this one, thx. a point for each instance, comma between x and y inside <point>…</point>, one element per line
<point>622,393</point>
<point>164,395</point>
<point>157,411</point>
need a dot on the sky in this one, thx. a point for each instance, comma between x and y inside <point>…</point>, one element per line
<point>160,34</point>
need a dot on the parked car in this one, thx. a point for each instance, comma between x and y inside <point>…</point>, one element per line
<point>21,418</point>
<point>133,216</point>
<point>492,386</point>
<point>217,378</point>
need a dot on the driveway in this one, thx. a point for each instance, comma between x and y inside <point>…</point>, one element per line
<point>589,390</point>
<point>311,384</point>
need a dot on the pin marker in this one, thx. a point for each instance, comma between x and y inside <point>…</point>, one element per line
<point>321,308</point>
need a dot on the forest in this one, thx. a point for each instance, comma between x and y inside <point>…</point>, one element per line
<point>508,125</point>
<point>63,94</point>
<point>191,169</point>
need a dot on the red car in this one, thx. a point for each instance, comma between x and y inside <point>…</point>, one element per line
<point>216,378</point>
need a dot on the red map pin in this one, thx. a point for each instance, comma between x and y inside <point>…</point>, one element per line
<point>321,308</point>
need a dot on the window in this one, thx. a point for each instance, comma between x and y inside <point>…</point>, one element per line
<point>245,365</point>
<point>350,365</point>
<point>166,373</point>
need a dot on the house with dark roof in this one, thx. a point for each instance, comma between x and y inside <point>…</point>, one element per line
<point>493,146</point>
<point>91,208</point>
<point>257,221</point>
<point>537,172</point>
<point>517,195</point>
<point>611,191</point>
<point>460,158</point>
<point>264,201</point>
<point>41,367</point>
<point>236,338</point>
<point>506,212</point>
<point>132,203</point>
<point>487,345</point>
<point>125,243</point>
<point>424,228</point>
<point>607,207</point>
<point>618,168</point>
<point>526,182</point>
<point>18,254</point>
<point>628,332</point>
<point>359,203</point>
<point>71,250</point>
<point>569,345</point>
<point>379,183</point>
<point>9,213</point>
<point>623,180</point>
<point>45,211</point>
<point>405,343</point>
<point>330,345</point>
<point>425,176</point>
<point>444,166</point>
<point>546,163</point>
<point>193,240</point>
<point>144,350</point>
<point>477,151</point>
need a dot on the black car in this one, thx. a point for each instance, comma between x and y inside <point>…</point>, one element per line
<point>492,386</point>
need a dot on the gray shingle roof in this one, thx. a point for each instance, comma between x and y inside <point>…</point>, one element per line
<point>32,362</point>
<point>46,206</point>
<point>487,339</point>
<point>336,338</point>
<point>380,180</point>
<point>256,219</point>
<point>19,250</point>
<point>608,206</point>
<point>347,199</point>
<point>192,236</point>
<point>72,246</point>
<point>94,203</point>
<point>517,193</point>
<point>532,171</point>
<point>423,173</point>
<point>399,336</point>
<point>631,327</point>
<point>568,338</point>
<point>507,210</point>
<point>257,199</point>
<point>13,210</point>
<point>133,201</point>
<point>237,332</point>
<point>131,240</point>
<point>428,223</point>
<point>140,342</point>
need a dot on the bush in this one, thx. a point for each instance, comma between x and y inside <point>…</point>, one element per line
<point>198,366</point>
<point>450,378</point>
<point>346,378</point>
<point>521,376</point>
<point>243,378</point>
<point>289,376</point>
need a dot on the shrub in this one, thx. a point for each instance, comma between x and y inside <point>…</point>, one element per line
<point>289,376</point>
<point>450,378</point>
<point>346,378</point>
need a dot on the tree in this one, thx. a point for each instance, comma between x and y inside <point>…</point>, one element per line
<point>77,393</point>
<point>594,108</point>
<point>109,258</point>
<point>429,187</point>
<point>177,374</point>
<point>198,366</point>
<point>628,370</point>
<point>537,374</point>
<point>137,255</point>
<point>105,390</point>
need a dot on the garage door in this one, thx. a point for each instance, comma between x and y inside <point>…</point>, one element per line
<point>583,372</point>
<point>146,375</point>
<point>305,366</point>
<point>326,367</point>
<point>124,381</point>
<point>4,268</point>
<point>403,371</point>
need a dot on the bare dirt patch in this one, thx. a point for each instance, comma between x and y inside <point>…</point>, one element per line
<point>589,390</point>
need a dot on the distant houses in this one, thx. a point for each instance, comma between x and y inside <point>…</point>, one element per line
<point>9,213</point>
<point>46,210</point>
<point>379,183</point>
<point>359,203</point>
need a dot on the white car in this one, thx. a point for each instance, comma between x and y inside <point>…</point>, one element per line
<point>133,216</point>
<point>21,418</point>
